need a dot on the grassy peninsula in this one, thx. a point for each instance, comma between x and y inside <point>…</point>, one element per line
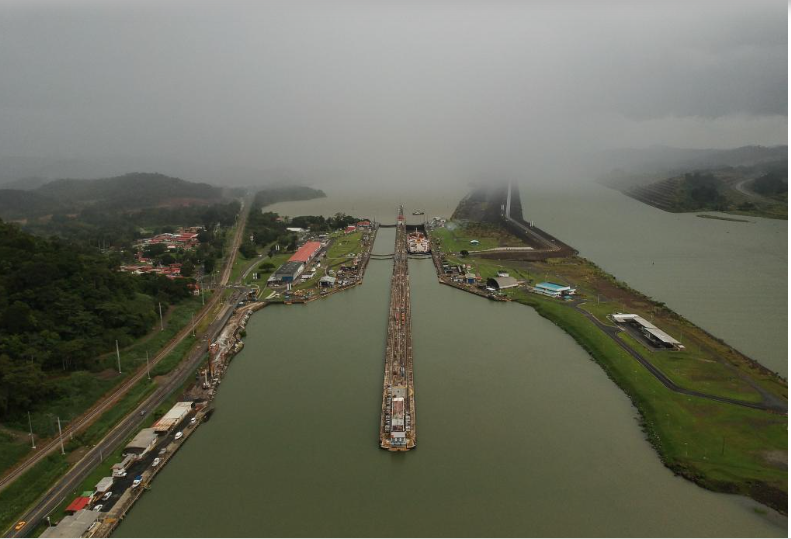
<point>722,446</point>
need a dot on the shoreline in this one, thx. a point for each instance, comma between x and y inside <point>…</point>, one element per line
<point>229,342</point>
<point>649,409</point>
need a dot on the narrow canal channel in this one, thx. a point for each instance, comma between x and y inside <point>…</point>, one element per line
<point>521,434</point>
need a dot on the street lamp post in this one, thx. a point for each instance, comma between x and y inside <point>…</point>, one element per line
<point>60,435</point>
<point>32,439</point>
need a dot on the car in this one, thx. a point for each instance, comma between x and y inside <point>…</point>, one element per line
<point>156,462</point>
<point>98,507</point>
<point>178,435</point>
<point>20,525</point>
<point>107,495</point>
<point>142,413</point>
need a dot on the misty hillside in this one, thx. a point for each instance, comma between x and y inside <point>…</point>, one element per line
<point>127,192</point>
<point>25,184</point>
<point>665,159</point>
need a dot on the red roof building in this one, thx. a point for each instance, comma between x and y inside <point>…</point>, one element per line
<point>306,253</point>
<point>79,503</point>
<point>350,229</point>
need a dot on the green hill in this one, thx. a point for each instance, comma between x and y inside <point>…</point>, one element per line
<point>121,193</point>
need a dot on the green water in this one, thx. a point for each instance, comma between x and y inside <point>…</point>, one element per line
<point>519,433</point>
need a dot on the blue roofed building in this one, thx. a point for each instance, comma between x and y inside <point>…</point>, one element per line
<point>554,290</point>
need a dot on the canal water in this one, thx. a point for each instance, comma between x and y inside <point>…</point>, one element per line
<point>519,434</point>
<point>728,278</point>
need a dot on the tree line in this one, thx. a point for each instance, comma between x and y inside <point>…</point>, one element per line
<point>62,304</point>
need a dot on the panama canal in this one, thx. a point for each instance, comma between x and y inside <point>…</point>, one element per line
<point>520,433</point>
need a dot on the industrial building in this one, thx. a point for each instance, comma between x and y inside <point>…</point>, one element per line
<point>554,290</point>
<point>141,444</point>
<point>174,416</point>
<point>306,253</point>
<point>73,525</point>
<point>287,273</point>
<point>501,283</point>
<point>653,334</point>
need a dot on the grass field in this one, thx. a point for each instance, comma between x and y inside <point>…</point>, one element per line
<point>456,237</point>
<point>689,370</point>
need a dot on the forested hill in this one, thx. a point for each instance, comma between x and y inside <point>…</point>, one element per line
<point>127,192</point>
<point>61,306</point>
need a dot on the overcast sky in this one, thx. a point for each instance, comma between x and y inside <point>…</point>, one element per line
<point>387,89</point>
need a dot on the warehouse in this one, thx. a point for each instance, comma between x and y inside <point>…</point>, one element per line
<point>653,334</point>
<point>306,253</point>
<point>501,283</point>
<point>554,290</point>
<point>141,444</point>
<point>174,416</point>
<point>287,273</point>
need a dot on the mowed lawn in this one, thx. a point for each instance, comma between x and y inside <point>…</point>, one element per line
<point>456,237</point>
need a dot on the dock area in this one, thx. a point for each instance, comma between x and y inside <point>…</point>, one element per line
<point>397,429</point>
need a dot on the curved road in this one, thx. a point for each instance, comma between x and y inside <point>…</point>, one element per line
<point>122,430</point>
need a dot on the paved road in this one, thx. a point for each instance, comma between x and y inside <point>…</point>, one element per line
<point>743,189</point>
<point>612,332</point>
<point>120,432</point>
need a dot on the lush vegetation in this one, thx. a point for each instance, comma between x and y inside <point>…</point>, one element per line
<point>772,184</point>
<point>268,229</point>
<point>61,307</point>
<point>121,193</point>
<point>104,228</point>
<point>717,189</point>
<point>702,190</point>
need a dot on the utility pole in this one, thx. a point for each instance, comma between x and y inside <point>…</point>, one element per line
<point>60,435</point>
<point>118,354</point>
<point>32,439</point>
<point>148,369</point>
<point>193,324</point>
<point>161,323</point>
